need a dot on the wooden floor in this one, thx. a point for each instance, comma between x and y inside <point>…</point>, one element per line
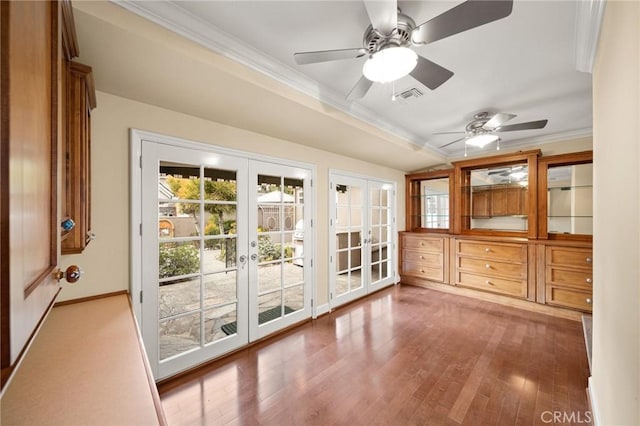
<point>405,355</point>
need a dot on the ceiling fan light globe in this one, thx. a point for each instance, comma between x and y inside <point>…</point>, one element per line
<point>482,140</point>
<point>390,64</point>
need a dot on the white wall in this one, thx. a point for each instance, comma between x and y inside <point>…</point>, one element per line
<point>615,381</point>
<point>106,259</point>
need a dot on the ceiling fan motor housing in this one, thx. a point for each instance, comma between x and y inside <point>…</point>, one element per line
<point>373,41</point>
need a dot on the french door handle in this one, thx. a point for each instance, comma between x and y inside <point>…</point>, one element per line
<point>242,259</point>
<point>254,257</point>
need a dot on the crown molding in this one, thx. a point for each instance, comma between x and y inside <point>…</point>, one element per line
<point>172,17</point>
<point>588,20</point>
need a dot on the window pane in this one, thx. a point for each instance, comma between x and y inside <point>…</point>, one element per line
<point>178,258</point>
<point>294,299</point>
<point>178,297</point>
<point>220,288</point>
<point>219,254</point>
<point>269,307</point>
<point>178,335</point>
<point>269,277</point>
<point>220,322</point>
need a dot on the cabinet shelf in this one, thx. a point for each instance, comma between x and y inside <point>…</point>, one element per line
<point>569,188</point>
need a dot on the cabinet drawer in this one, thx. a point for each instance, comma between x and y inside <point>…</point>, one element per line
<point>421,271</point>
<point>573,277</point>
<point>433,260</point>
<point>511,252</point>
<point>574,257</point>
<point>492,267</point>
<point>496,285</point>
<point>569,298</point>
<point>424,244</point>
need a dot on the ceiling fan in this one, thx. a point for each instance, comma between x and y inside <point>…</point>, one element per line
<point>388,42</point>
<point>483,128</point>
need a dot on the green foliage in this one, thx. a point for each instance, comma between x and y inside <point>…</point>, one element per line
<point>268,250</point>
<point>182,259</point>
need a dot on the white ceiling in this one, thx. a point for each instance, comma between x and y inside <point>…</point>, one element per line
<point>523,64</point>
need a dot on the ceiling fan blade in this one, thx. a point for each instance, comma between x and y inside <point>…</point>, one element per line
<point>446,133</point>
<point>523,126</point>
<point>383,15</point>
<point>497,120</point>
<point>451,143</point>
<point>465,16</point>
<point>303,58</point>
<point>430,74</point>
<point>360,89</point>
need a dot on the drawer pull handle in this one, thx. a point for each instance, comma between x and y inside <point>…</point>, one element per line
<point>421,243</point>
<point>422,271</point>
<point>588,301</point>
<point>589,280</point>
<point>486,265</point>
<point>488,282</point>
<point>421,257</point>
<point>589,260</point>
<point>487,249</point>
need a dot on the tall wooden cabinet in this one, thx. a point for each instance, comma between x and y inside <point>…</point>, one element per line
<point>519,228</point>
<point>80,100</point>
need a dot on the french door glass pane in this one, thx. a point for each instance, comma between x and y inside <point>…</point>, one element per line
<point>220,322</point>
<point>197,230</point>
<point>179,334</point>
<point>280,204</point>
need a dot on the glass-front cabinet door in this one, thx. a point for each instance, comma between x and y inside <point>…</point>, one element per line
<point>566,196</point>
<point>429,201</point>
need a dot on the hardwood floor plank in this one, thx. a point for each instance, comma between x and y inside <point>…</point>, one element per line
<point>403,356</point>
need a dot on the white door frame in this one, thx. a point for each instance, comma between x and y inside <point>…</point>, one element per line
<point>335,175</point>
<point>136,137</point>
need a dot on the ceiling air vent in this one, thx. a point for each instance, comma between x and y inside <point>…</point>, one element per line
<point>408,95</point>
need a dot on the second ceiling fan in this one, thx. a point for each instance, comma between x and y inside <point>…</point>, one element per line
<point>390,39</point>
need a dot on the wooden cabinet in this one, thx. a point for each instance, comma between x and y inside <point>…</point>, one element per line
<point>492,266</point>
<point>80,100</point>
<point>569,277</point>
<point>481,204</point>
<point>29,126</point>
<point>495,202</point>
<point>425,257</point>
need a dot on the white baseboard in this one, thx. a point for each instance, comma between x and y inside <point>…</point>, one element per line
<point>321,310</point>
<point>593,402</point>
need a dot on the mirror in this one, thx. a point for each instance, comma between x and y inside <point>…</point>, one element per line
<point>498,197</point>
<point>570,199</point>
<point>434,203</point>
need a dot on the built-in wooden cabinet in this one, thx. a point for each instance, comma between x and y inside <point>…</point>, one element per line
<point>425,257</point>
<point>520,227</point>
<point>496,267</point>
<point>80,100</point>
<point>568,276</point>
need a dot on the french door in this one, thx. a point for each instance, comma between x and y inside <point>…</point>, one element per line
<point>222,261</point>
<point>362,229</point>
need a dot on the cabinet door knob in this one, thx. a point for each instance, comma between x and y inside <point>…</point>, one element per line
<point>588,301</point>
<point>422,271</point>
<point>488,282</point>
<point>589,260</point>
<point>421,257</point>
<point>589,280</point>
<point>421,243</point>
<point>72,274</point>
<point>486,265</point>
<point>67,224</point>
<point>487,250</point>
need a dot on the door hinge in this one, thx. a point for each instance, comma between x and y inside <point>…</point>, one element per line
<point>331,295</point>
<point>141,230</point>
<point>140,296</point>
<point>140,161</point>
<point>330,222</point>
<point>330,259</point>
<point>330,185</point>
<point>311,182</point>
<point>312,223</point>
<point>311,303</point>
<point>312,263</point>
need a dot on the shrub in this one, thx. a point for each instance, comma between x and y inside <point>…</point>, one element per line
<point>182,259</point>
